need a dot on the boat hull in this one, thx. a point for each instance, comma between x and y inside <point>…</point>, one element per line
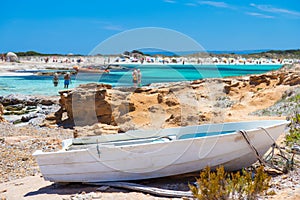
<point>181,154</point>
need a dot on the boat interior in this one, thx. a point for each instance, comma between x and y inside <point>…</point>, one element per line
<point>140,137</point>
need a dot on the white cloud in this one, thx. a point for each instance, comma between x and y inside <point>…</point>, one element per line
<point>107,25</point>
<point>215,4</point>
<point>259,15</point>
<point>271,9</point>
<point>190,4</point>
<point>169,1</point>
<point>112,27</point>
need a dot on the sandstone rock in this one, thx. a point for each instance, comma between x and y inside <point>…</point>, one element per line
<point>142,90</point>
<point>95,86</point>
<point>291,79</point>
<point>96,129</point>
<point>175,120</point>
<point>154,108</point>
<point>162,91</point>
<point>172,101</point>
<point>126,107</point>
<point>257,80</point>
<point>1,109</point>
<point>159,98</point>
<point>228,88</point>
<point>84,106</point>
<point>28,117</point>
<point>1,113</point>
<point>203,118</point>
<point>281,77</point>
<point>51,117</point>
<point>47,102</point>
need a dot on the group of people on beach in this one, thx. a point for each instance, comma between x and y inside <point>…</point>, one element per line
<point>137,78</point>
<point>67,79</point>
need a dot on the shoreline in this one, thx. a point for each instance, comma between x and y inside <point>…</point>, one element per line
<point>38,80</point>
<point>44,71</point>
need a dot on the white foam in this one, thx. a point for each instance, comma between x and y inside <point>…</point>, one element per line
<point>15,74</point>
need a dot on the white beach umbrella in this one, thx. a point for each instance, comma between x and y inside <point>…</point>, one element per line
<point>11,57</point>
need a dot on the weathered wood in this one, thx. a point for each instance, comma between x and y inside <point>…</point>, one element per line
<point>146,189</point>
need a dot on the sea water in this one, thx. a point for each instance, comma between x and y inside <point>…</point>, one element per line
<point>43,85</point>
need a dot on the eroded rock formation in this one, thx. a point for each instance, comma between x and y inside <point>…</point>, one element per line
<point>164,105</point>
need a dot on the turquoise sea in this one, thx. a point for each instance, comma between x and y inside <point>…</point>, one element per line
<point>42,85</point>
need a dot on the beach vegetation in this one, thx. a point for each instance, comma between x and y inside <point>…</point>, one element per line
<point>215,185</point>
<point>295,98</point>
<point>289,51</point>
<point>137,52</point>
<point>294,133</point>
<point>34,53</point>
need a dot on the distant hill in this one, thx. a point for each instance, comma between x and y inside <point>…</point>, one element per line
<point>268,53</point>
<point>34,53</point>
<point>153,52</point>
<point>290,53</point>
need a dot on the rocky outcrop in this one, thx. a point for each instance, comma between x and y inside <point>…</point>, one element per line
<point>96,129</point>
<point>285,76</point>
<point>15,99</point>
<point>86,105</point>
<point>30,109</point>
<point>163,105</point>
<point>128,108</point>
<point>290,79</point>
<point>259,79</point>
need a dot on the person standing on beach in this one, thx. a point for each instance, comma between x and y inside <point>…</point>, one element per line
<point>55,79</point>
<point>139,78</point>
<point>135,77</point>
<point>3,57</point>
<point>67,79</point>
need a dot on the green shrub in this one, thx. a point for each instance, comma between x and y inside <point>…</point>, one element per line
<point>294,134</point>
<point>221,185</point>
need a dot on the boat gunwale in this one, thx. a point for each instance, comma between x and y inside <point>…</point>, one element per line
<point>231,132</point>
<point>110,144</point>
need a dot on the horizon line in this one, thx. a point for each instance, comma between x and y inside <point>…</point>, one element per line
<point>160,51</point>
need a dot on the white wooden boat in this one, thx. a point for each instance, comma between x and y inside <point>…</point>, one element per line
<point>147,154</point>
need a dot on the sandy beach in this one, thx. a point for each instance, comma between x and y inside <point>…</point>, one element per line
<point>21,179</point>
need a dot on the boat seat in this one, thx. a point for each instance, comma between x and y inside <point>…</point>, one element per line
<point>205,134</point>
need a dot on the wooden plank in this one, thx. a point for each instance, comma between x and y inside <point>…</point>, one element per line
<point>146,189</point>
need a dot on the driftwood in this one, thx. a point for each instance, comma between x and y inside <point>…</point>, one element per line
<point>145,189</point>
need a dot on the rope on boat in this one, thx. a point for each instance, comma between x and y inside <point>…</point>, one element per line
<point>98,148</point>
<point>274,142</point>
<point>246,137</point>
<point>289,162</point>
<point>268,159</point>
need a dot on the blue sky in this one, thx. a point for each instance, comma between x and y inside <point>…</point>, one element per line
<point>61,26</point>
